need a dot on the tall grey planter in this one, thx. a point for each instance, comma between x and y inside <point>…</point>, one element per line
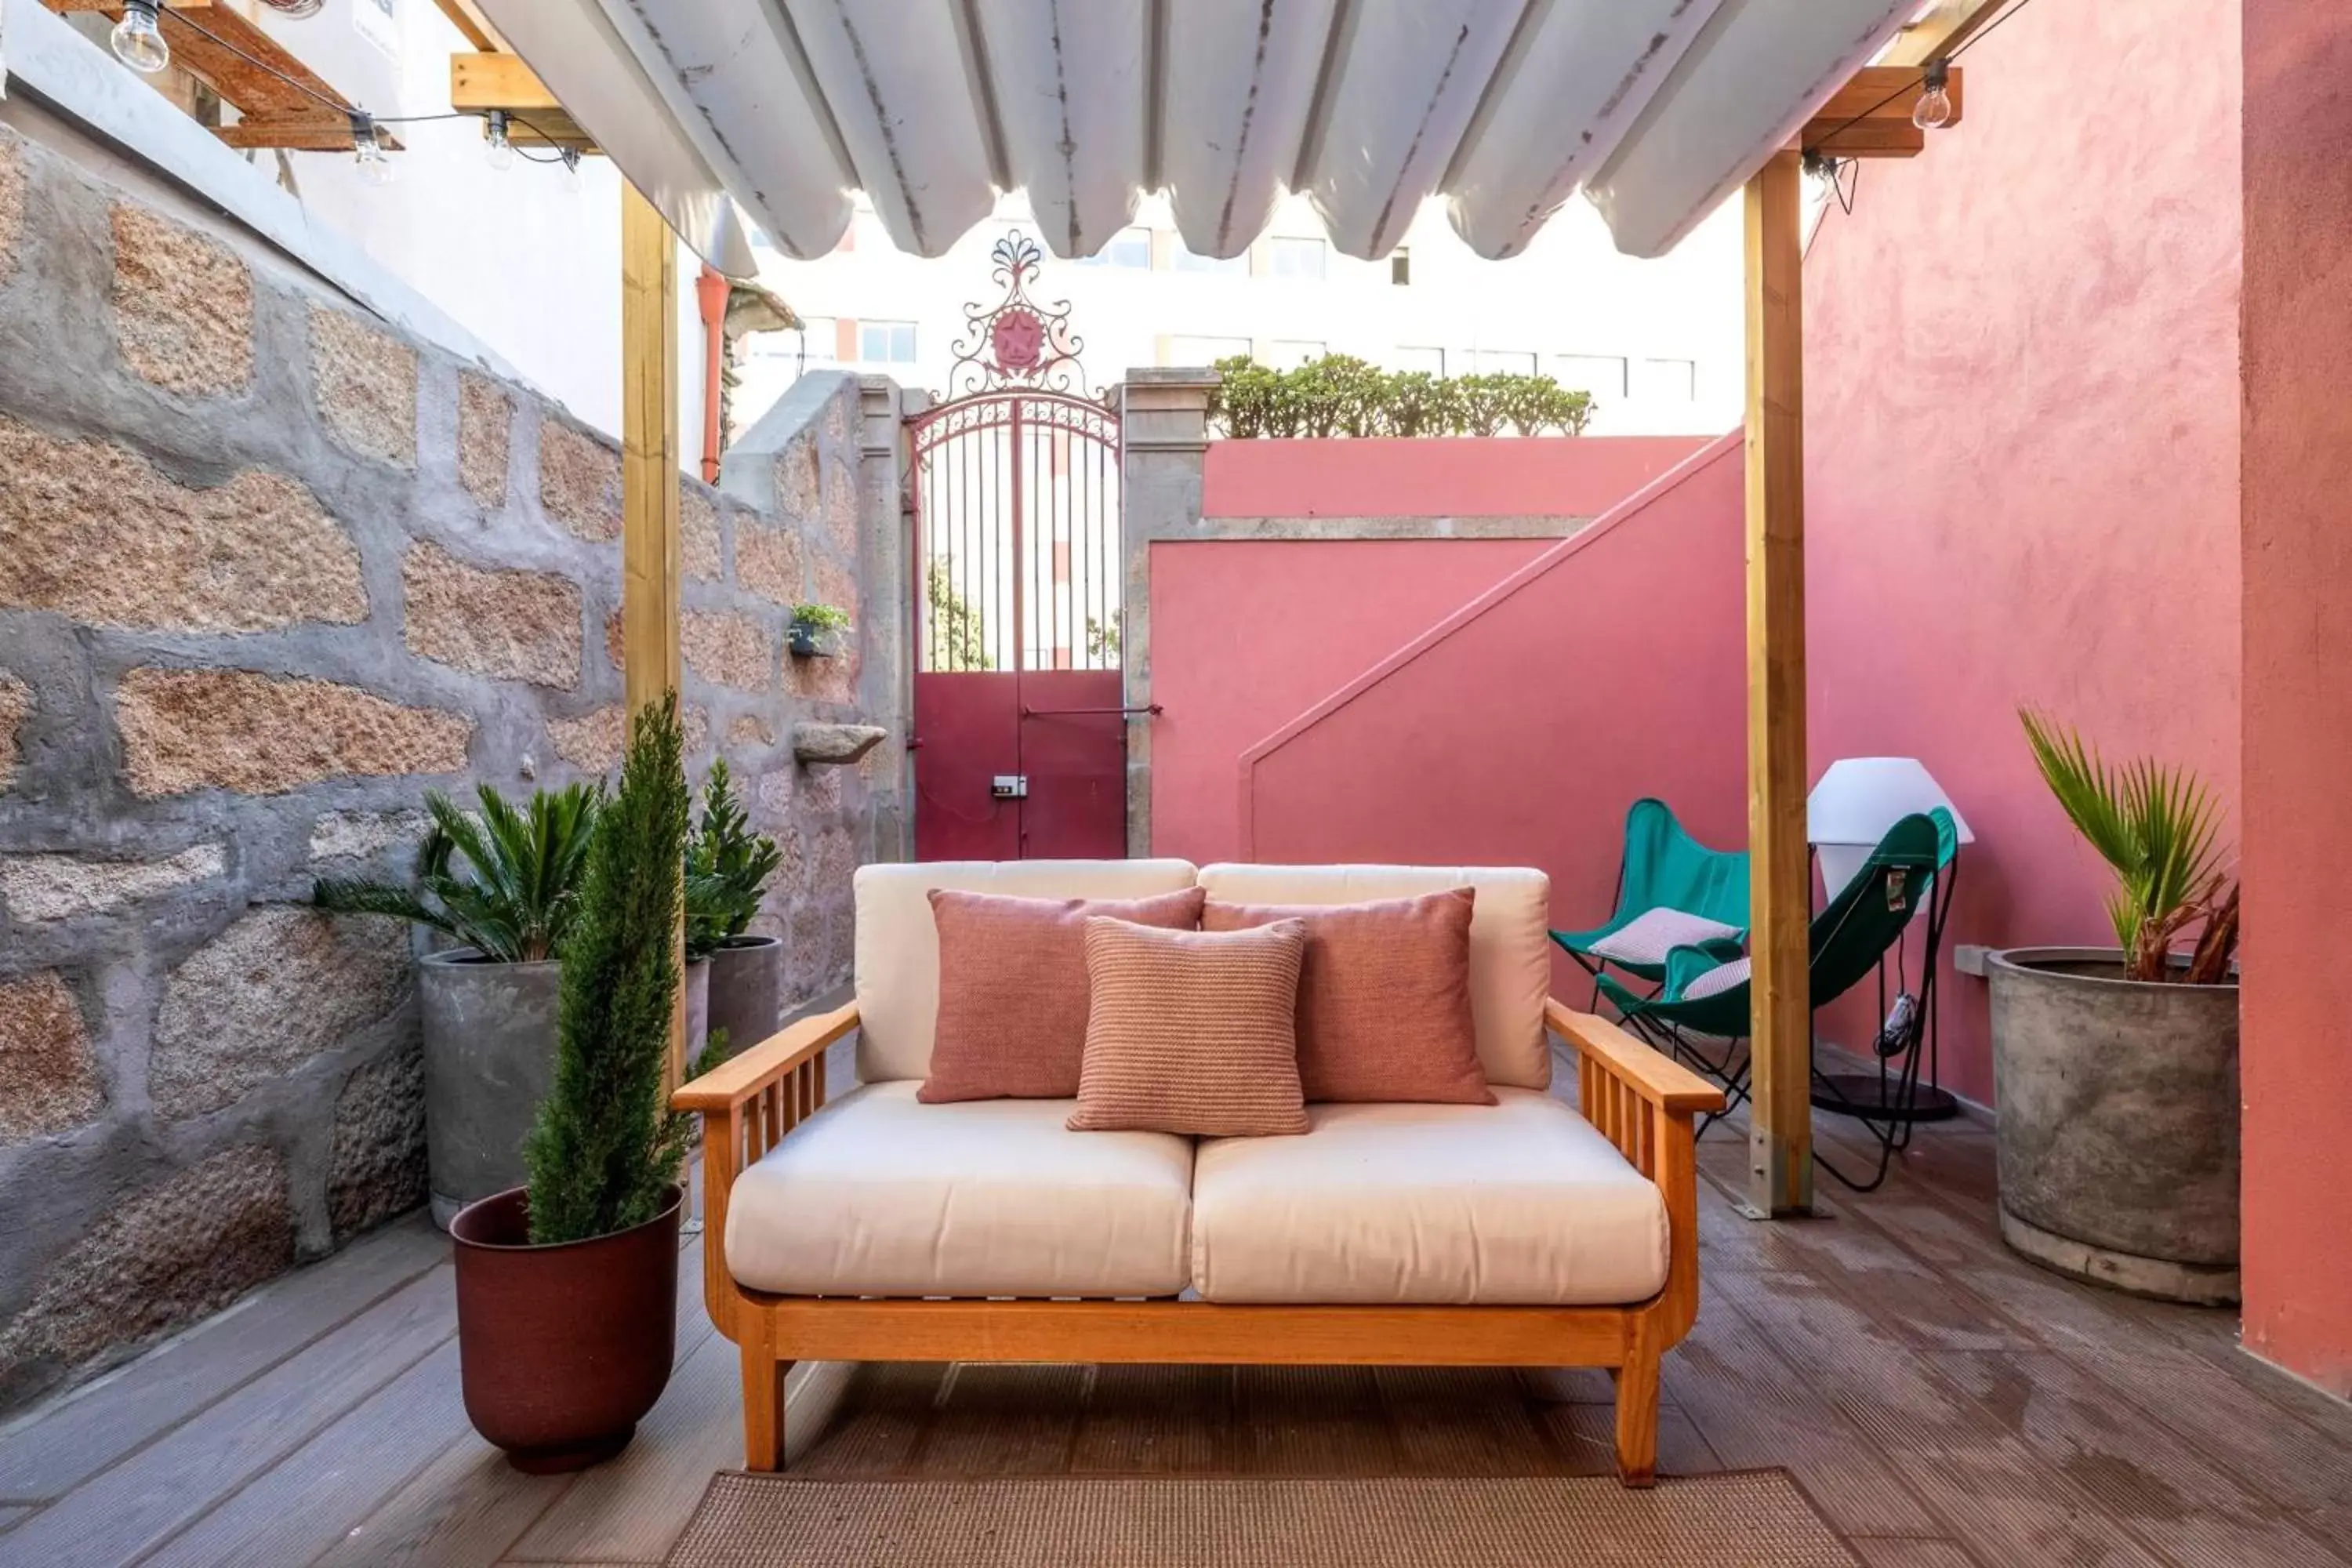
<point>489,1057</point>
<point>697,1008</point>
<point>2118,1134</point>
<point>747,983</point>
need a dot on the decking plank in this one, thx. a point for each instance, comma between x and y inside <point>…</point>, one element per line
<point>136,1505</point>
<point>51,1449</point>
<point>317,1495</point>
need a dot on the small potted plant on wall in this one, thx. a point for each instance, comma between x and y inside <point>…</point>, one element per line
<point>727,868</point>
<point>501,886</point>
<point>567,1288</point>
<point>816,628</point>
<point>2117,1069</point>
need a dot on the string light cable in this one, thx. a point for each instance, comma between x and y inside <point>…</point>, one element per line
<point>138,35</point>
<point>1934,112</point>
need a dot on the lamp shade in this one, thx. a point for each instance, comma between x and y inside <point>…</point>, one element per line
<point>1858,799</point>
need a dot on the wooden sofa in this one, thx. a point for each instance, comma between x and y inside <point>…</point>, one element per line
<point>1640,1103</point>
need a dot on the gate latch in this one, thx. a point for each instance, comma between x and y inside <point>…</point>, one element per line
<point>1010,786</point>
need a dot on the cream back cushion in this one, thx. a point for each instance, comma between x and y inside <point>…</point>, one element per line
<point>1510,955</point>
<point>898,944</point>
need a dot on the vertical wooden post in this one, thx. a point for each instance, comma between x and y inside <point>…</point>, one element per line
<point>1781,1135</point>
<point>650,567</point>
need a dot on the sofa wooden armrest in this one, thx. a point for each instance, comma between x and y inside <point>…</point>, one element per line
<point>748,1103</point>
<point>1646,1073</point>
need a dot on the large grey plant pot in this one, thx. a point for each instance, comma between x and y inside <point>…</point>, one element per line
<point>489,1056</point>
<point>697,1008</point>
<point>2118,1134</point>
<point>746,985</point>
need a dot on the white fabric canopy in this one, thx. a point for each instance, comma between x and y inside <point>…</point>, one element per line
<point>1655,109</point>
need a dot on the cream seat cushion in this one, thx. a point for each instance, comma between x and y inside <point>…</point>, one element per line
<point>899,942</point>
<point>878,1195</point>
<point>1511,947</point>
<point>1520,1203</point>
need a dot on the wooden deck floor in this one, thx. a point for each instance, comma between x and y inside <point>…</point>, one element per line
<point>1944,1403</point>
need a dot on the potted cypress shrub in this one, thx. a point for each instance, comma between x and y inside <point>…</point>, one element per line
<point>567,1288</point>
<point>2117,1069</point>
<point>502,888</point>
<point>727,868</point>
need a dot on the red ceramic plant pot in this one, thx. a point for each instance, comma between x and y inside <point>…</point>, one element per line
<point>563,1348</point>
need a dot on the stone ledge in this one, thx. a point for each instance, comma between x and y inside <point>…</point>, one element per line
<point>835,745</point>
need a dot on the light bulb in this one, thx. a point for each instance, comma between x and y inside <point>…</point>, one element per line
<point>497,150</point>
<point>1933,111</point>
<point>573,181</point>
<point>138,41</point>
<point>368,152</point>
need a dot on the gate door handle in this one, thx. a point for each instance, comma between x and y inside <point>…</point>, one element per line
<point>1009,786</point>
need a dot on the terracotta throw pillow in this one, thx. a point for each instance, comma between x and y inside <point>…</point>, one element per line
<point>1384,998</point>
<point>1191,1033</point>
<point>1013,989</point>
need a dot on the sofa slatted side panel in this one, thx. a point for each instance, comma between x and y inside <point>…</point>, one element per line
<point>1622,1117</point>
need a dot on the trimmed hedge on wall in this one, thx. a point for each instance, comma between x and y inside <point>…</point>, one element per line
<point>1341,394</point>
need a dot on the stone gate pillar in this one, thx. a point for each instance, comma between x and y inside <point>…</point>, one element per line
<point>1163,433</point>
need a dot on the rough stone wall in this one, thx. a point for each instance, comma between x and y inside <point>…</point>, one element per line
<point>268,571</point>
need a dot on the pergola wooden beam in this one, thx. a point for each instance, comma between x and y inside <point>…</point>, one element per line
<point>650,562</point>
<point>1870,116</point>
<point>1781,1139</point>
<point>1945,27</point>
<point>487,80</point>
<point>250,70</point>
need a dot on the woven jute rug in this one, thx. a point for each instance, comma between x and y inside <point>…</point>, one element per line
<point>1755,1518</point>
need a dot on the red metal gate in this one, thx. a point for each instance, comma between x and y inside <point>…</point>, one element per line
<point>1022,739</point>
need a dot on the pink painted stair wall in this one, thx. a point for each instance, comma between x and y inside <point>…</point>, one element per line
<point>1517,730</point>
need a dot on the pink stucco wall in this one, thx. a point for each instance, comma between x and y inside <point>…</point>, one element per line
<point>1446,477</point>
<point>1517,731</point>
<point>1248,634</point>
<point>2022,450</point>
<point>2297,561</point>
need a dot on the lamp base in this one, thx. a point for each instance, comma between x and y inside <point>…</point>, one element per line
<point>1875,1099</point>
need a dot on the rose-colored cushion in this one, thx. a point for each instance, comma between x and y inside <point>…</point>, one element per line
<point>1384,998</point>
<point>1191,1032</point>
<point>1013,989</point>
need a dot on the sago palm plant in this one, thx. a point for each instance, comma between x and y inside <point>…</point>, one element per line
<point>2157,827</point>
<point>518,894</point>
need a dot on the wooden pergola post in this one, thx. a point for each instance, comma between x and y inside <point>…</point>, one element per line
<point>650,567</point>
<point>1781,1134</point>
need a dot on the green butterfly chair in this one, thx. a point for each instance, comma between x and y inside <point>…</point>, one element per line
<point>1700,1015</point>
<point>1671,891</point>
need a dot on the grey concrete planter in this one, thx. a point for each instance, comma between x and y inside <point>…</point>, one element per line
<point>489,1056</point>
<point>697,1008</point>
<point>747,980</point>
<point>2118,1123</point>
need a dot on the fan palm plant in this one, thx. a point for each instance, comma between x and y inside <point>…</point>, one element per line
<point>518,895</point>
<point>2157,827</point>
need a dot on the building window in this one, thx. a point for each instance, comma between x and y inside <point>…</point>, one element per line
<point>886,343</point>
<point>1284,354</point>
<point>1602,375</point>
<point>1665,380</point>
<point>811,348</point>
<point>1204,351</point>
<point>1430,360</point>
<point>1401,266</point>
<point>1189,260</point>
<point>1295,257</point>
<point>1130,249</point>
<point>1501,361</point>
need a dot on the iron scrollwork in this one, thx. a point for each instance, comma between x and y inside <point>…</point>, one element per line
<point>1018,342</point>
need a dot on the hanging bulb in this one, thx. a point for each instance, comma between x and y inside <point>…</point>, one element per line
<point>497,150</point>
<point>573,183</point>
<point>367,150</point>
<point>1934,110</point>
<point>137,40</point>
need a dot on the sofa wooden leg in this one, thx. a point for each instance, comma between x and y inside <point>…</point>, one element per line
<point>1637,1417</point>
<point>763,1404</point>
